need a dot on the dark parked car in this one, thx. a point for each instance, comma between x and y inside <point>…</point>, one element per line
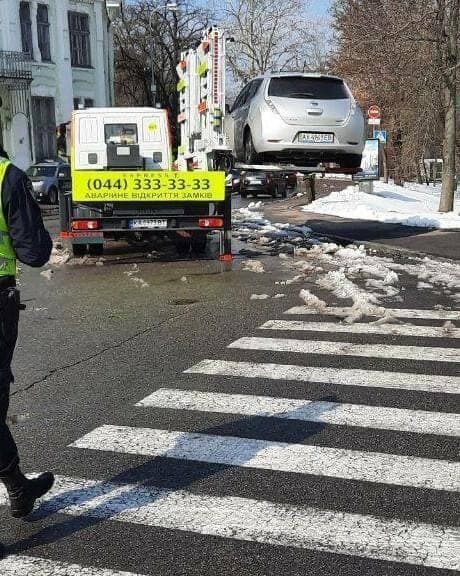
<point>233,180</point>
<point>257,183</point>
<point>48,178</point>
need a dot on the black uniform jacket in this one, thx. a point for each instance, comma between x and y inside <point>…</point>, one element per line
<point>30,239</point>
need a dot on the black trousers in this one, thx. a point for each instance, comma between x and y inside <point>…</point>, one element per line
<point>9,320</point>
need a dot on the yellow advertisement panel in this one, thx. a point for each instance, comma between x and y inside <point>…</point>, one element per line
<point>143,186</point>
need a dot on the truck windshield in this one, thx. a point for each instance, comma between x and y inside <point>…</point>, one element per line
<point>121,134</point>
<point>304,87</point>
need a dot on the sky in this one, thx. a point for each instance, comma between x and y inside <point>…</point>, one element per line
<point>320,7</point>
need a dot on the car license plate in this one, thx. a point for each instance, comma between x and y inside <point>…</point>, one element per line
<point>148,224</point>
<point>316,138</point>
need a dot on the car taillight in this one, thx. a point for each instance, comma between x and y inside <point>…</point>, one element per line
<point>271,105</point>
<point>211,222</point>
<point>86,225</point>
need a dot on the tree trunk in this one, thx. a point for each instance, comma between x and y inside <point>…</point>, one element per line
<point>446,203</point>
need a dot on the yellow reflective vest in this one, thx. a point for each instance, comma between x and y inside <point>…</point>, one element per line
<point>7,254</point>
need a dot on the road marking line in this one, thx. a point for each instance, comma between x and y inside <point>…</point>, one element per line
<point>337,376</point>
<point>348,349</point>
<point>280,456</point>
<point>33,566</point>
<point>260,521</point>
<point>361,328</point>
<point>398,312</point>
<point>418,421</point>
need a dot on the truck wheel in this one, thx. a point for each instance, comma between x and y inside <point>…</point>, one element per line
<point>96,249</point>
<point>79,250</point>
<point>199,243</point>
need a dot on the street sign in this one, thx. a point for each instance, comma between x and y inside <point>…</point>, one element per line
<point>373,121</point>
<point>381,135</point>
<point>374,112</point>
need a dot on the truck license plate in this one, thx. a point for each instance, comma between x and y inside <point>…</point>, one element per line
<point>149,224</point>
<point>316,138</point>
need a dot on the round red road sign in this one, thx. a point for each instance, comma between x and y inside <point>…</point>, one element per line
<point>374,112</point>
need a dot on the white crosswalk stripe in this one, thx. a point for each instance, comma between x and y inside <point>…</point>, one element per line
<point>348,349</point>
<point>279,456</point>
<point>258,521</point>
<point>397,312</point>
<point>32,566</point>
<point>418,421</point>
<point>263,521</point>
<point>327,375</point>
<point>361,328</point>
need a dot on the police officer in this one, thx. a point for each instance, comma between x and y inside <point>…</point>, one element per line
<point>23,237</point>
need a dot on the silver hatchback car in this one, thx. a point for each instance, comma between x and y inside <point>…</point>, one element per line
<point>301,119</point>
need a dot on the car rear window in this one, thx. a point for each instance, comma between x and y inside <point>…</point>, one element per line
<point>303,87</point>
<point>45,171</point>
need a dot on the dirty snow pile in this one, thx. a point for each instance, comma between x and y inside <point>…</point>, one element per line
<point>249,225</point>
<point>411,205</point>
<point>365,279</point>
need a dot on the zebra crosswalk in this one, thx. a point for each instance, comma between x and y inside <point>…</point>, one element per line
<point>317,360</point>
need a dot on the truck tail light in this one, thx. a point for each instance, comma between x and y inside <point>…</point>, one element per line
<point>211,222</point>
<point>86,225</point>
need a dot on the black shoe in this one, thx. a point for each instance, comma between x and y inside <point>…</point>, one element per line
<point>24,492</point>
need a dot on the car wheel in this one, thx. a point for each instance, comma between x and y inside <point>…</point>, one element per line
<point>53,195</point>
<point>96,249</point>
<point>79,250</point>
<point>250,154</point>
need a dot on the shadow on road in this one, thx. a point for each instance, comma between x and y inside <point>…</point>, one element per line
<point>131,481</point>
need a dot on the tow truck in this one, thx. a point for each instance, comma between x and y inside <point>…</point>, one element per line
<point>124,182</point>
<point>124,185</point>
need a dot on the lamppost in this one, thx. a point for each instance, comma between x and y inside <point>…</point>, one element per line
<point>171,7</point>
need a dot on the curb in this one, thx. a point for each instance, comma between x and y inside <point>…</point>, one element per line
<point>379,248</point>
<point>385,249</point>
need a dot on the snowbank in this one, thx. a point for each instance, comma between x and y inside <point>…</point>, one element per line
<point>412,205</point>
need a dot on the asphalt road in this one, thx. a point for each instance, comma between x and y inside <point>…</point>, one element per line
<point>206,483</point>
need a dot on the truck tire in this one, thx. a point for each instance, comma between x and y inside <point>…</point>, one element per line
<point>199,243</point>
<point>79,250</point>
<point>96,249</point>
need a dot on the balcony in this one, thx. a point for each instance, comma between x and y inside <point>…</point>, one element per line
<point>15,69</point>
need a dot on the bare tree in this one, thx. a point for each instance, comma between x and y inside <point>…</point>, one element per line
<point>149,37</point>
<point>447,14</point>
<point>269,36</point>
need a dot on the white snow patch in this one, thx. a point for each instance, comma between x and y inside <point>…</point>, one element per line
<point>47,274</point>
<point>411,205</point>
<point>253,266</point>
<point>259,297</point>
<point>312,301</point>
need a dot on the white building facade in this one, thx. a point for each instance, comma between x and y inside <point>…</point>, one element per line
<point>55,56</point>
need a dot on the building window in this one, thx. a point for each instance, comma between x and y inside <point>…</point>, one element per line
<point>76,103</point>
<point>89,103</point>
<point>43,31</point>
<point>26,28</point>
<point>80,51</point>
<point>44,122</point>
